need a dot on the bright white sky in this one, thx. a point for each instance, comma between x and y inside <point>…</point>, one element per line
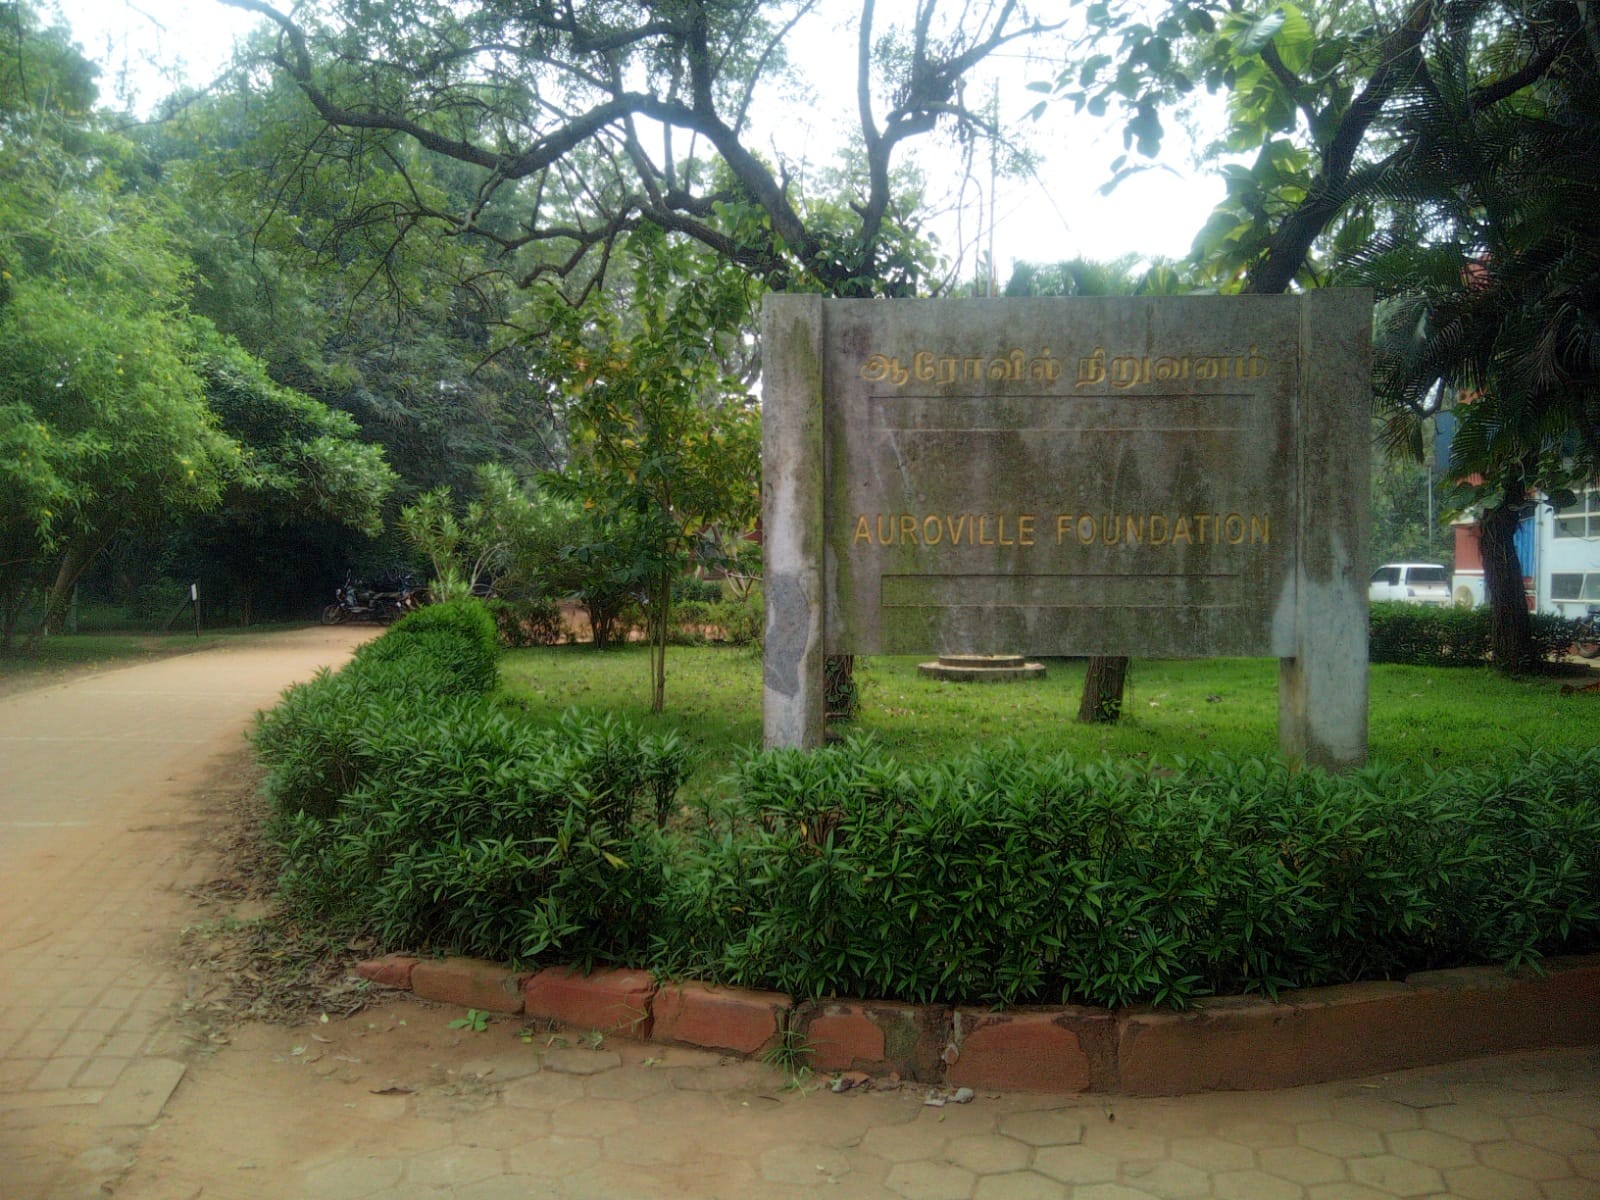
<point>1056,215</point>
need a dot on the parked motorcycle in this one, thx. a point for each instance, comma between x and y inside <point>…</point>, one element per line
<point>358,602</point>
<point>1586,635</point>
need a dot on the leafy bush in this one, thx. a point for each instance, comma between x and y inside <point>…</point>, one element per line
<point>523,623</point>
<point>742,621</point>
<point>1000,876</point>
<point>1424,636</point>
<point>450,648</point>
<point>689,621</point>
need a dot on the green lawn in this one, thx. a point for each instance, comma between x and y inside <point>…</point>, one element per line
<point>1175,709</point>
<point>64,655</point>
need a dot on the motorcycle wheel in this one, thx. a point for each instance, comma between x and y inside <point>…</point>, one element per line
<point>334,614</point>
<point>1587,649</point>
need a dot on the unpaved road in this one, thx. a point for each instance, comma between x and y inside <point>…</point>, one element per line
<point>113,790</point>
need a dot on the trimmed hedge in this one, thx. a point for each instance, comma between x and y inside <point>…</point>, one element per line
<point>435,822</point>
<point>1422,635</point>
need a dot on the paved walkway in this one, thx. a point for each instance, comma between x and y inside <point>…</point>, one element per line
<point>99,782</point>
<point>97,817</point>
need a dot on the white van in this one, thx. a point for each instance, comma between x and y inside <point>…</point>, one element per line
<point>1410,583</point>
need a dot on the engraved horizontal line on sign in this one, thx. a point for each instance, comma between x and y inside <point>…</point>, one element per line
<point>1227,412</point>
<point>1074,590</point>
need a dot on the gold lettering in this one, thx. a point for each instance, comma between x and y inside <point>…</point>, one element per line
<point>880,368</point>
<point>971,370</point>
<point>922,366</point>
<point>885,533</point>
<point>1063,526</point>
<point>1255,363</point>
<point>1201,520</point>
<point>1181,529</point>
<point>1000,534</point>
<point>1085,539</point>
<point>1233,528</point>
<point>1092,370</point>
<point>936,536</point>
<point>908,529</point>
<point>1128,370</point>
<point>1158,539</point>
<point>1025,529</point>
<point>1110,533</point>
<point>1134,531</point>
<point>1260,529</point>
<point>1169,368</point>
<point>863,531</point>
<point>957,529</point>
<point>1205,368</point>
<point>1044,368</point>
<point>983,525</point>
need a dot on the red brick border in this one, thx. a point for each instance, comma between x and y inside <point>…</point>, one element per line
<point>1224,1043</point>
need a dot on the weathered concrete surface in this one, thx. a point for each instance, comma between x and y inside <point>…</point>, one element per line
<point>791,520</point>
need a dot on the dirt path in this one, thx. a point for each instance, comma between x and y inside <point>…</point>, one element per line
<point>118,795</point>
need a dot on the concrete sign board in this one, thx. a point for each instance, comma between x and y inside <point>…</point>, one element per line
<point>1152,477</point>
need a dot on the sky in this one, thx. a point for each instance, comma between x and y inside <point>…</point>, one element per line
<point>1056,213</point>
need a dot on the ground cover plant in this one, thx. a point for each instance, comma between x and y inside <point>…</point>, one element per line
<point>951,865</point>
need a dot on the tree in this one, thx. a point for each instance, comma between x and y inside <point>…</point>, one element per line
<point>579,122</point>
<point>100,404</point>
<point>664,437</point>
<point>1490,255</point>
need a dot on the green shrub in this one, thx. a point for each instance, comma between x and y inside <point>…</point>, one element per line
<point>523,623</point>
<point>448,648</point>
<point>741,621</point>
<point>1009,877</point>
<point>1424,636</point>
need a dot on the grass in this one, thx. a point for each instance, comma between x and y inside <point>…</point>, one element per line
<point>1174,709</point>
<point>63,655</point>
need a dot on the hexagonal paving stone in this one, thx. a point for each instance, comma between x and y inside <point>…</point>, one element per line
<point>1580,1109</point>
<point>351,1178</point>
<point>1050,1127</point>
<point>1111,1191</point>
<point>1074,1164</point>
<point>509,1187</point>
<point>988,1154</point>
<point>1339,1138</point>
<point>1169,1180</point>
<point>1301,1164</point>
<point>554,1157</point>
<point>906,1143</point>
<point>1124,1141</point>
<point>806,1164</point>
<point>1254,1185</point>
<point>1370,1112</point>
<point>1485,1183</point>
<point>1212,1154</point>
<point>1397,1176</point>
<point>1431,1149</point>
<point>647,1146</point>
<point>543,1091</point>
<point>1467,1122</point>
<point>502,1128</point>
<point>930,1181</point>
<point>1568,1189</point>
<point>636,1083</point>
<point>1522,1160</point>
<point>1555,1135</point>
<point>593,1118</point>
<point>1256,1133</point>
<point>1343,1191</point>
<point>1018,1185</point>
<point>576,1060</point>
<point>453,1166</point>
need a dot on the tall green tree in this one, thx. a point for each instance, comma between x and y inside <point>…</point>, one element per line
<point>665,437</point>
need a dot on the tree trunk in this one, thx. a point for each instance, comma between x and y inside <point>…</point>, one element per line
<point>1102,691</point>
<point>74,560</point>
<point>1510,630</point>
<point>839,693</point>
<point>658,642</point>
